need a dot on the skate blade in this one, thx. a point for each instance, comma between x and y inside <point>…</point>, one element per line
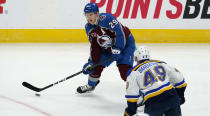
<point>88,92</point>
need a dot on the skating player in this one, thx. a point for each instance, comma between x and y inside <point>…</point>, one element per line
<point>108,39</point>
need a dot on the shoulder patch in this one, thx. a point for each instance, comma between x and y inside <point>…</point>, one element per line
<point>102,17</point>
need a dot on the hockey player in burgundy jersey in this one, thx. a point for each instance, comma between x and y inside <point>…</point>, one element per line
<point>161,86</point>
<point>108,39</point>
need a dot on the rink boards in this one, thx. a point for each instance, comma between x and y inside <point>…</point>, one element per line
<point>79,35</point>
<point>152,21</point>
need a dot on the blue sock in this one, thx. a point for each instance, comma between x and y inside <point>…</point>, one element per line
<point>92,83</point>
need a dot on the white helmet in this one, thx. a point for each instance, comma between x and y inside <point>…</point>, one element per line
<point>141,53</point>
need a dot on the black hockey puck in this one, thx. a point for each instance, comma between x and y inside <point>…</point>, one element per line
<point>37,94</point>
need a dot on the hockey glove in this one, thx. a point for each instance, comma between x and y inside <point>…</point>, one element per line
<point>116,54</point>
<point>182,100</point>
<point>131,109</point>
<point>88,68</point>
<point>180,92</point>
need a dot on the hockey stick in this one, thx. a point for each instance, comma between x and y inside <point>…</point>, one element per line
<point>31,87</point>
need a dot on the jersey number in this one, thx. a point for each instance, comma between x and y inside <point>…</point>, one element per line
<point>113,23</point>
<point>149,77</point>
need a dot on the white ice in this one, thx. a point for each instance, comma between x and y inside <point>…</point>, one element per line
<point>43,64</point>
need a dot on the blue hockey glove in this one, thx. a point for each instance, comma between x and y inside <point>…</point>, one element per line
<point>116,54</point>
<point>88,68</point>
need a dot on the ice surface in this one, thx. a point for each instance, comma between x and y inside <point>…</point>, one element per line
<point>43,64</point>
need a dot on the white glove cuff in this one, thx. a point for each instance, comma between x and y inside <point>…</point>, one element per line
<point>116,51</point>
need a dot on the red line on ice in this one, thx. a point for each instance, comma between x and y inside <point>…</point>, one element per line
<point>26,105</point>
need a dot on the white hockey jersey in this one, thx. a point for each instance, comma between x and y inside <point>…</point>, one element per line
<point>150,79</point>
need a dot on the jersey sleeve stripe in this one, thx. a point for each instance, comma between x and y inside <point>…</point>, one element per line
<point>132,96</point>
<point>158,91</point>
<point>123,35</point>
<point>180,83</point>
<point>132,100</point>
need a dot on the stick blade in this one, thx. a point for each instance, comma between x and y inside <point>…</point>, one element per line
<point>29,86</point>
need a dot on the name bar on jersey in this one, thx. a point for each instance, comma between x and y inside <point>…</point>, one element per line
<point>135,68</point>
<point>138,65</point>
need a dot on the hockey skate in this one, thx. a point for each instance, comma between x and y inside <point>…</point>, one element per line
<point>86,88</point>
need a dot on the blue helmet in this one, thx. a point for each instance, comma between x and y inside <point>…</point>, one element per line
<point>91,7</point>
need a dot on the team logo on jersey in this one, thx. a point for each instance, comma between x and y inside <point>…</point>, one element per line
<point>127,85</point>
<point>102,17</point>
<point>104,41</point>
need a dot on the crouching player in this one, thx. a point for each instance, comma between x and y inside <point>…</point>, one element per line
<point>161,86</point>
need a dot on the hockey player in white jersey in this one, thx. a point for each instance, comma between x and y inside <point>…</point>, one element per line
<point>161,86</point>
